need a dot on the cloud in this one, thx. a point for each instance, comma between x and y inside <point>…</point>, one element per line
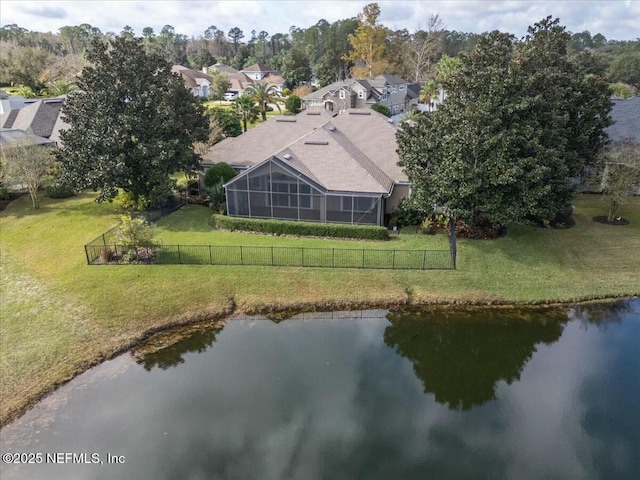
<point>45,12</point>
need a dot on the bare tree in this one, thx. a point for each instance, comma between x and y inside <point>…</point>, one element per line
<point>30,165</point>
<point>424,47</point>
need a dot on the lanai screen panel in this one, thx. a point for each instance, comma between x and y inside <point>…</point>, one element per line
<point>353,209</point>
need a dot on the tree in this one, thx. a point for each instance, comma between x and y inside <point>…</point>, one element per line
<point>228,120</point>
<point>264,94</point>
<point>30,165</point>
<point>132,124</point>
<point>620,176</point>
<point>60,87</point>
<point>446,67</point>
<point>245,107</point>
<point>235,34</point>
<point>23,65</point>
<point>296,68</point>
<point>293,104</point>
<point>424,47</point>
<point>368,44</point>
<point>219,85</point>
<point>625,68</point>
<point>220,172</point>
<point>428,92</point>
<point>215,135</point>
<point>519,120</point>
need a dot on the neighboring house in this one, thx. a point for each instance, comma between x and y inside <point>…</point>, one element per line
<point>389,90</point>
<point>199,83</point>
<point>315,167</point>
<point>12,102</point>
<point>239,83</point>
<point>11,137</point>
<point>625,114</point>
<point>258,71</point>
<point>41,118</point>
<point>222,68</point>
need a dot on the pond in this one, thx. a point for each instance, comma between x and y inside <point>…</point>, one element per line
<point>497,393</point>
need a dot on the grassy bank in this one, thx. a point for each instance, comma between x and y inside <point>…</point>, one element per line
<point>60,316</point>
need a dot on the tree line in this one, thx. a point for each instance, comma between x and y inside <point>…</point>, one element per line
<point>37,59</point>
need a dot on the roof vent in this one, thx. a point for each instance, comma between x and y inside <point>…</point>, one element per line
<point>313,113</point>
<point>287,156</point>
<point>314,142</point>
<point>359,113</point>
<point>286,120</point>
<point>331,128</point>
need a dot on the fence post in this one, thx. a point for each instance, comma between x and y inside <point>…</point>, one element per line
<point>210,257</point>
<point>272,257</point>
<point>363,258</point>
<point>179,256</point>
<point>302,248</point>
<point>333,258</point>
<point>241,259</point>
<point>393,261</point>
<point>104,242</point>
<point>454,252</point>
<point>86,252</point>
<point>424,258</point>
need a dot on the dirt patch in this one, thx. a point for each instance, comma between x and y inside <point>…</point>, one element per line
<point>616,221</point>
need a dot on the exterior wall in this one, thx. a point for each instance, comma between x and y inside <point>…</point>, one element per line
<point>400,191</point>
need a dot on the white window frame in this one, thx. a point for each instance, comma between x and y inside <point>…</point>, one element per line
<point>361,94</point>
<point>342,94</point>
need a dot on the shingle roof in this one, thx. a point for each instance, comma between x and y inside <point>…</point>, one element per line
<point>41,118</point>
<point>223,68</point>
<point>10,137</point>
<point>351,152</point>
<point>626,116</point>
<point>257,67</point>
<point>191,77</point>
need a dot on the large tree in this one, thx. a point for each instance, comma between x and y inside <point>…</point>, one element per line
<point>519,120</point>
<point>368,44</point>
<point>264,94</point>
<point>132,123</point>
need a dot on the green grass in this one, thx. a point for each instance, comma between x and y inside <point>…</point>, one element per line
<point>59,315</point>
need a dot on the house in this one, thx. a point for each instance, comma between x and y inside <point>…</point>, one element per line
<point>257,71</point>
<point>389,90</point>
<point>40,117</point>
<point>222,68</point>
<point>199,83</point>
<point>315,166</point>
<point>625,114</point>
<point>11,137</point>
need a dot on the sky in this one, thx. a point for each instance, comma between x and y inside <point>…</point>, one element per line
<point>615,19</point>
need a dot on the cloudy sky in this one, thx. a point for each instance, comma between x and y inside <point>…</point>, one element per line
<point>615,19</point>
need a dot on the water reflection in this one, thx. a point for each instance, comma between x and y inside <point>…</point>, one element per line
<point>343,396</point>
<point>460,355</point>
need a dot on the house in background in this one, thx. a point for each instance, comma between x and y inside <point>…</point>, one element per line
<point>389,90</point>
<point>199,83</point>
<point>625,114</point>
<point>11,137</point>
<point>315,167</point>
<point>40,117</point>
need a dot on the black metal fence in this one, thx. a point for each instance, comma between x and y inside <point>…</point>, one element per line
<point>104,253</point>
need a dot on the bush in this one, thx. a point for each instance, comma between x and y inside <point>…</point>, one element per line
<point>4,194</point>
<point>284,227</point>
<point>407,214</point>
<point>293,104</point>
<point>217,173</point>
<point>58,190</point>
<point>381,109</point>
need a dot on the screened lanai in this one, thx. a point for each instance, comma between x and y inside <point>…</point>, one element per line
<point>273,190</point>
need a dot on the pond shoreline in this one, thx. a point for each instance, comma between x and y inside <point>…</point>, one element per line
<point>277,313</point>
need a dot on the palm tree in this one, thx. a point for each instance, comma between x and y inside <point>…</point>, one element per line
<point>263,94</point>
<point>446,67</point>
<point>428,92</point>
<point>246,108</point>
<point>60,87</point>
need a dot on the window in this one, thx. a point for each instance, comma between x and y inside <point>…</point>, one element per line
<point>402,88</point>
<point>394,89</point>
<point>361,94</point>
<point>343,94</point>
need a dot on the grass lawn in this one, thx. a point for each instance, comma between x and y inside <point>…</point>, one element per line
<point>59,315</point>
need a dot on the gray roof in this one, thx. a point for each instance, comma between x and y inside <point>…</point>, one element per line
<point>387,80</point>
<point>351,152</point>
<point>626,117</point>
<point>223,68</point>
<point>257,67</point>
<point>12,137</point>
<point>191,76</point>
<point>41,118</point>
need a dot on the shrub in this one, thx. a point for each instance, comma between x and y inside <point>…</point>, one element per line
<point>58,190</point>
<point>4,194</point>
<point>217,173</point>
<point>381,109</point>
<point>136,236</point>
<point>407,214</point>
<point>284,227</point>
<point>293,104</point>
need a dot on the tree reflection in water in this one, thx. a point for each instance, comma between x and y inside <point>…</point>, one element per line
<point>460,355</point>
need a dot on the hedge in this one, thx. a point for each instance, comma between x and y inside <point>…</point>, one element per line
<point>283,227</point>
